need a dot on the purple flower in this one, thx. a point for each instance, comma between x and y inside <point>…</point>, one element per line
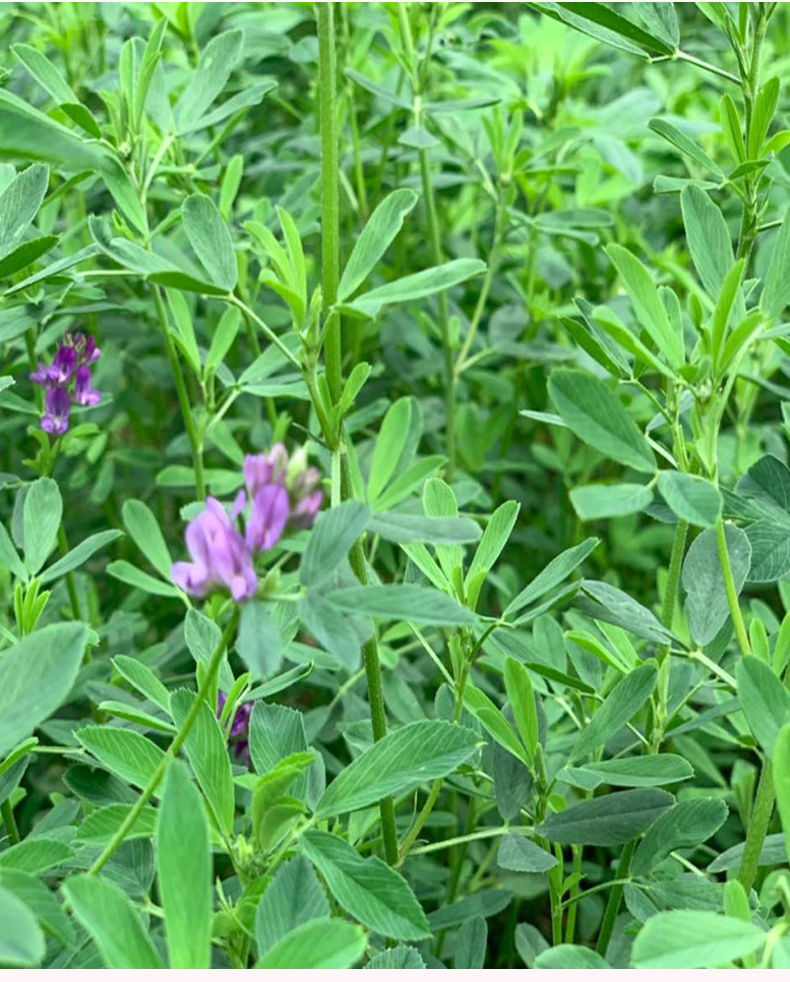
<point>70,366</point>
<point>84,394</point>
<point>87,352</point>
<point>62,368</point>
<point>238,738</point>
<point>41,376</point>
<point>56,418</point>
<point>220,556</point>
<point>268,515</point>
<point>307,498</point>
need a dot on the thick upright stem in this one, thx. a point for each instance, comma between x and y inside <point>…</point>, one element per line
<point>177,742</point>
<point>195,441</point>
<point>370,655</point>
<point>330,207</point>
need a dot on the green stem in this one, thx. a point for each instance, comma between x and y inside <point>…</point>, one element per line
<point>613,904</point>
<point>176,744</point>
<point>673,575</point>
<point>10,822</point>
<point>417,79</point>
<point>421,819</point>
<point>71,586</point>
<point>493,263</point>
<point>570,923</point>
<point>183,396</point>
<point>330,207</point>
<point>444,313</point>
<point>729,586</point>
<point>265,329</point>
<point>758,826</point>
<point>370,655</point>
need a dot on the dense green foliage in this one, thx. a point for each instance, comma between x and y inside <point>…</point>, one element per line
<point>508,282</point>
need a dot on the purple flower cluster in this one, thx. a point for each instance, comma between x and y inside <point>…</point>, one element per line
<point>239,736</point>
<point>71,365</point>
<point>279,493</point>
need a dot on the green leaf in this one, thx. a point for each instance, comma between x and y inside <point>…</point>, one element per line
<point>690,939</point>
<point>407,481</point>
<point>41,516</point>
<point>615,607</point>
<point>707,607</point>
<point>520,854</point>
<point>294,898</point>
<point>494,539</point>
<point>379,231</point>
<point>36,676</point>
<point>679,139</point>
<point>21,941</point>
<point>776,289</point>
<point>130,755</point>
<point>328,943</point>
<point>208,756</point>
<point>25,254</point>
<point>595,501</point>
<point>521,697</point>
<point>605,24</point>
<point>210,237</point>
<point>102,824</point>
<point>373,893</point>
<point>35,855</point>
<point>494,722</point>
<point>423,284</point>
<point>108,916</point>
<point>610,820</point>
<point>136,578</point>
<point>621,705</point>
<point>684,826</point>
<point>259,642</point>
<point>650,311</point>
<point>184,869</point>
<point>333,534</point>
<point>406,528</point>
<point>222,339</point>
<point>27,133</point>
<point>782,782</point>
<point>571,957</point>
<point>767,482</point>
<point>641,772</point>
<point>79,554</point>
<point>9,557</point>
<point>400,957</point>
<point>770,551</point>
<point>43,904</point>
<point>597,417</point>
<point>217,61</point>
<point>20,200</point>
<point>402,760</point>
<point>332,628</point>
<point>691,498</point>
<point>143,679</point>
<point>764,700</point>
<point>50,79</point>
<point>552,575</point>
<point>708,238</point>
<point>391,440</point>
<point>402,601</point>
<point>142,526</point>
